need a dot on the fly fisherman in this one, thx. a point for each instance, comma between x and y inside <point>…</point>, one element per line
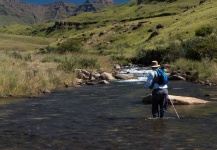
<point>159,92</point>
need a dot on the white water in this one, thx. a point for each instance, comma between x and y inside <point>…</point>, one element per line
<point>138,72</point>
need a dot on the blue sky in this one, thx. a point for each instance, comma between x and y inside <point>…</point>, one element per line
<point>41,2</point>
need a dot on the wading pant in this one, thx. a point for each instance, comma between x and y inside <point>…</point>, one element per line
<point>159,100</point>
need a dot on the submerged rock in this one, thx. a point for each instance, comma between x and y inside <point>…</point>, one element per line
<point>177,100</point>
<point>183,100</point>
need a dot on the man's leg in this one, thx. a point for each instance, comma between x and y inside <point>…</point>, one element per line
<point>155,97</point>
<point>163,102</point>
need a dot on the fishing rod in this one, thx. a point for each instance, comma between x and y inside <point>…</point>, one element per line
<point>174,108</point>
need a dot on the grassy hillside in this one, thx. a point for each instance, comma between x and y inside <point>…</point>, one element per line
<point>127,27</point>
<point>23,43</point>
<point>179,19</point>
<point>46,55</point>
<point>124,29</point>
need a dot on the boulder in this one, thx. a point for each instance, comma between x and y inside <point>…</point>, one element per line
<point>78,81</point>
<point>107,76</point>
<point>177,100</point>
<point>176,77</point>
<point>159,26</point>
<point>202,1</point>
<point>46,91</point>
<point>117,66</point>
<point>104,82</point>
<point>81,74</point>
<point>153,34</point>
<point>183,100</point>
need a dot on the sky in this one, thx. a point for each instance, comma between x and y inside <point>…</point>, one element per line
<point>42,2</point>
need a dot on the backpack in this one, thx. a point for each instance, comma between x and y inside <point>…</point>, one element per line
<point>162,77</point>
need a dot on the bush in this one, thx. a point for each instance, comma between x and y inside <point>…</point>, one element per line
<point>71,45</point>
<point>173,52</point>
<point>198,48</point>
<point>204,31</point>
<point>190,48</point>
<point>145,56</point>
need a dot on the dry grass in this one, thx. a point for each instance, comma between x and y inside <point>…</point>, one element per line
<point>30,78</point>
<point>206,70</point>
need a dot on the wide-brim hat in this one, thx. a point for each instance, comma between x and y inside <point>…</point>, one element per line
<point>154,64</point>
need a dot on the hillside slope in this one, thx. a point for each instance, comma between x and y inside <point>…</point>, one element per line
<point>127,27</point>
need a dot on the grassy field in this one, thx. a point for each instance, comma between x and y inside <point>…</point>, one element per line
<point>23,43</point>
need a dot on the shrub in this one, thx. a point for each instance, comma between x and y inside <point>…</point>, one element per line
<point>204,31</point>
<point>190,47</point>
<point>173,52</point>
<point>198,48</point>
<point>70,45</point>
<point>145,56</point>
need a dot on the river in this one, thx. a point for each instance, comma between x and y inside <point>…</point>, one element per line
<point>110,117</point>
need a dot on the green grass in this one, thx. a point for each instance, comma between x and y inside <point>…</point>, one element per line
<point>23,43</point>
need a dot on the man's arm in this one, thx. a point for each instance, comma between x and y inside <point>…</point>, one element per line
<point>149,81</point>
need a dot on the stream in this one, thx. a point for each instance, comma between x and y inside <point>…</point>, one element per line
<point>109,117</point>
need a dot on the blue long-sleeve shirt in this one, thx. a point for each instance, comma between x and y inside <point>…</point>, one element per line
<point>150,79</point>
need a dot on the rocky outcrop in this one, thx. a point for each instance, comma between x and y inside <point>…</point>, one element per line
<point>69,25</point>
<point>202,1</point>
<point>86,7</point>
<point>177,100</point>
<point>153,34</point>
<point>107,2</point>
<point>90,6</point>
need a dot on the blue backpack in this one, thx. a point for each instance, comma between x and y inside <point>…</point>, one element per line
<point>162,77</point>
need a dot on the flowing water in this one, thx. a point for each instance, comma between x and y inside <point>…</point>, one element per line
<point>108,117</point>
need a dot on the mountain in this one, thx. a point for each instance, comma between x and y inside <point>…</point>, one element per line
<point>14,11</point>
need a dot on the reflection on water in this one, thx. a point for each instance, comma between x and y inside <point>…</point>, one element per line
<point>108,117</point>
<point>9,100</point>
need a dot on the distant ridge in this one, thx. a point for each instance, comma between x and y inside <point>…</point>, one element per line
<point>17,12</point>
<point>15,1</point>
